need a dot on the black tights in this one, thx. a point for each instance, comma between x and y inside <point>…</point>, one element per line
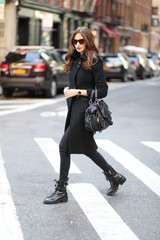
<point>95,156</point>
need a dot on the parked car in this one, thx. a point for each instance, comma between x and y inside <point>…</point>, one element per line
<point>154,57</point>
<point>62,52</point>
<point>118,66</point>
<point>154,63</point>
<point>32,68</point>
<point>143,69</point>
<point>155,68</point>
<point>61,77</point>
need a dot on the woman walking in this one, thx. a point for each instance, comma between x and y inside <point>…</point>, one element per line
<point>86,72</point>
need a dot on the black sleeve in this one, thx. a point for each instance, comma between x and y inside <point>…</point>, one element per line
<point>99,80</point>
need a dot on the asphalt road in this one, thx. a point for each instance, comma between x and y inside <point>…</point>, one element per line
<point>30,130</point>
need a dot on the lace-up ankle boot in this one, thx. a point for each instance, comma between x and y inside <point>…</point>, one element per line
<point>59,195</point>
<point>115,180</point>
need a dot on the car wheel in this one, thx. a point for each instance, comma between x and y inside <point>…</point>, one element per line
<point>52,91</point>
<point>134,77</point>
<point>8,92</point>
<point>125,77</point>
<point>143,75</point>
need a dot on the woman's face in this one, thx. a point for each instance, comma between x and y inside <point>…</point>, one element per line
<point>79,43</point>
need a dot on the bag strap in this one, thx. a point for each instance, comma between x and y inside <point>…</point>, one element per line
<point>93,93</point>
<point>96,93</point>
<point>91,97</point>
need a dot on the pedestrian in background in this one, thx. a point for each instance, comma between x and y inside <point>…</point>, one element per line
<point>86,72</point>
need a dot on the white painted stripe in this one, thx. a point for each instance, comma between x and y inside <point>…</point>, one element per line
<point>10,106</point>
<point>51,150</point>
<point>9,225</point>
<point>153,145</point>
<point>145,174</point>
<point>106,222</point>
<point>31,106</point>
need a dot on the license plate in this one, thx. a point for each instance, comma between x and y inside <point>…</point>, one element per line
<point>19,71</point>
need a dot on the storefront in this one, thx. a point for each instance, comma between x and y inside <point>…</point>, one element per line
<point>39,23</point>
<point>44,23</point>
<point>106,38</point>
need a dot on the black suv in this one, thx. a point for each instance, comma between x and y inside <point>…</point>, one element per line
<point>33,68</point>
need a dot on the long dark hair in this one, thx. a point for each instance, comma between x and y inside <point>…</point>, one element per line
<point>90,51</point>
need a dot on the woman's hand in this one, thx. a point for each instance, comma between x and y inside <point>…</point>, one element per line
<point>70,92</point>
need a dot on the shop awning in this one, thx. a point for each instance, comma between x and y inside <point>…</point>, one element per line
<point>108,31</point>
<point>117,33</point>
<point>111,32</point>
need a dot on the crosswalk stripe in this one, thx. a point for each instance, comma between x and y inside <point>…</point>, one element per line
<point>31,106</point>
<point>51,150</point>
<point>153,145</point>
<point>9,225</point>
<point>12,106</point>
<point>145,174</point>
<point>107,223</point>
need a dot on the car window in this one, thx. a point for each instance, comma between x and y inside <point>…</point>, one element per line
<point>133,59</point>
<point>113,59</point>
<point>32,57</point>
<point>55,56</point>
<point>28,57</point>
<point>14,57</point>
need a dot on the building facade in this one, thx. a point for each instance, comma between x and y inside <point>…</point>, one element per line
<point>42,22</point>
<point>7,28</point>
<point>141,23</point>
<point>155,27</point>
<point>114,23</point>
<point>122,22</point>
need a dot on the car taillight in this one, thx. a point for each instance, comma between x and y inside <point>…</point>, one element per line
<point>40,68</point>
<point>136,64</point>
<point>4,67</point>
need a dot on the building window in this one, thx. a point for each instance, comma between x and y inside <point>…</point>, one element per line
<point>66,4</point>
<point>155,10</point>
<point>74,4</point>
<point>155,22</point>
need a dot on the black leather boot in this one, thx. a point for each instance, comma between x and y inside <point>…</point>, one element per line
<point>115,180</point>
<point>59,195</point>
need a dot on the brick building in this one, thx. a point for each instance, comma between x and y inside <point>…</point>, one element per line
<point>141,23</point>
<point>126,22</point>
<point>155,27</point>
<point>114,23</point>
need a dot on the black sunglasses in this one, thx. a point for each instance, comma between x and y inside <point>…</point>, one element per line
<point>81,41</point>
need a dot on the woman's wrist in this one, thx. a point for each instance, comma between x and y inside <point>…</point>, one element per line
<point>81,92</point>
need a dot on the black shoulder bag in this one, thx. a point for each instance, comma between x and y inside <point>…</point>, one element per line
<point>97,115</point>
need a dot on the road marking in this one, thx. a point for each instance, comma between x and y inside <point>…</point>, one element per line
<point>31,106</point>
<point>51,150</point>
<point>107,223</point>
<point>145,174</point>
<point>54,114</point>
<point>9,225</point>
<point>10,106</point>
<point>153,145</point>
